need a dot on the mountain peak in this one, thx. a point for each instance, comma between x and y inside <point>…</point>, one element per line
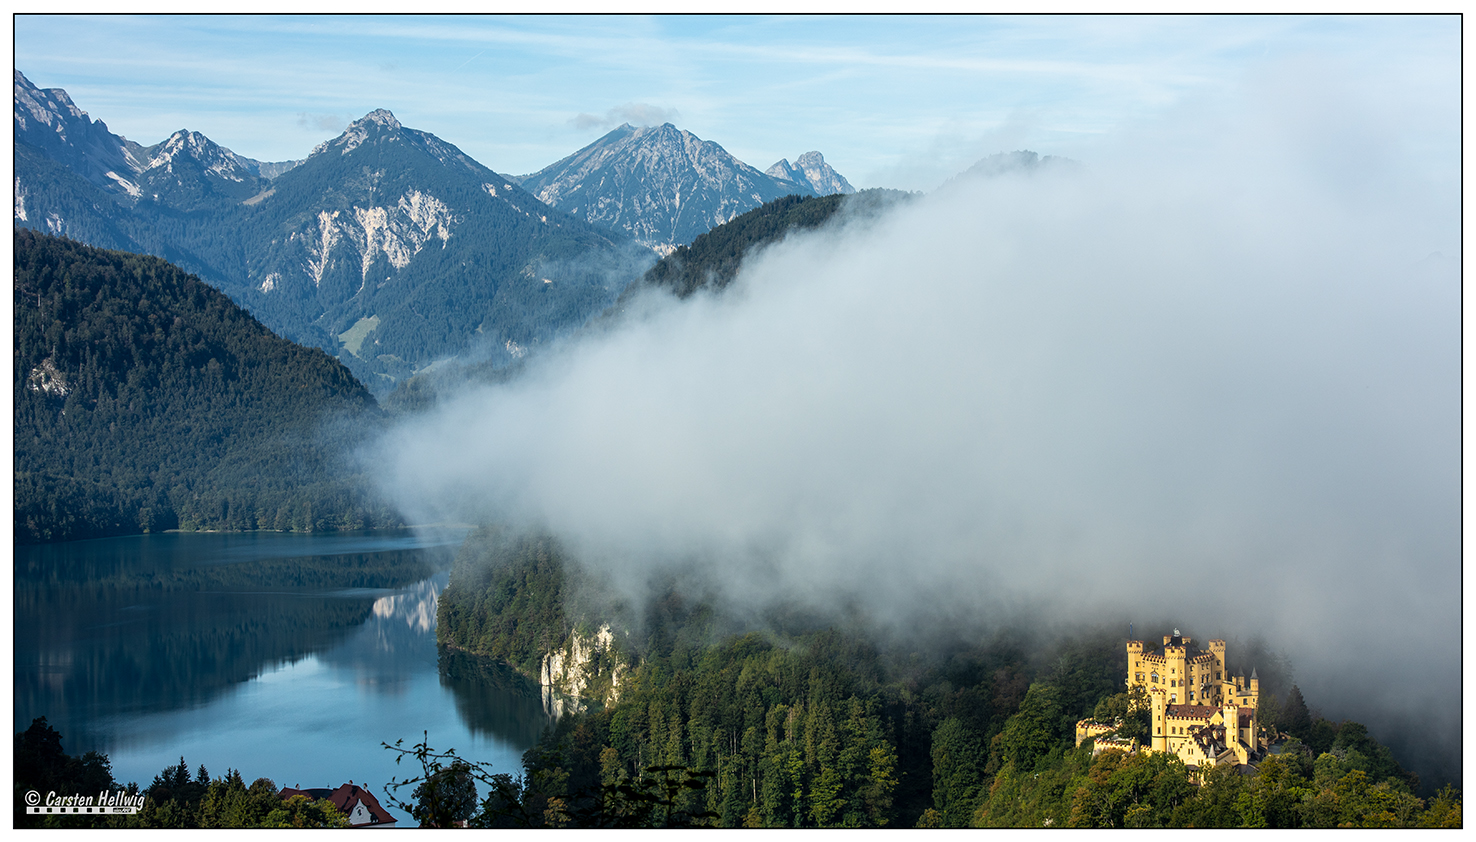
<point>376,121</point>
<point>662,184</point>
<point>810,159</point>
<point>212,157</point>
<point>380,116</point>
<point>1019,162</point>
<point>810,171</point>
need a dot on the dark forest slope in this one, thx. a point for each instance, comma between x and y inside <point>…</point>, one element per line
<point>713,259</point>
<point>146,400</point>
<point>811,724</point>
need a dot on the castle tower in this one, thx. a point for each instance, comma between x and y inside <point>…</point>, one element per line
<point>1159,729</point>
<point>1255,706</point>
<point>1230,712</point>
<point>1174,651</point>
<point>1135,661</point>
<point>1217,648</point>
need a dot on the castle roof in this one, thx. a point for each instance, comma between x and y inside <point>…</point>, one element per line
<point>1190,652</point>
<point>1187,711</point>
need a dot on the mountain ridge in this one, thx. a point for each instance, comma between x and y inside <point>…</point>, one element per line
<point>48,119</point>
<point>386,246</point>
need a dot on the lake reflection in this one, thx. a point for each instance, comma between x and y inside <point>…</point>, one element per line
<point>284,656</point>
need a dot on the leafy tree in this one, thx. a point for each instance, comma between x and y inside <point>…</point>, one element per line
<point>1444,809</point>
<point>447,797</point>
<point>1131,790</point>
<point>41,765</point>
<point>228,802</point>
<point>1132,709</point>
<point>958,765</point>
<point>1031,733</point>
<point>300,811</point>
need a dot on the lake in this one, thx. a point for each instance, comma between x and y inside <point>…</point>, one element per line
<point>285,656</point>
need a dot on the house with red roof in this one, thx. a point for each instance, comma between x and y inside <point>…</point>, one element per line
<point>359,804</point>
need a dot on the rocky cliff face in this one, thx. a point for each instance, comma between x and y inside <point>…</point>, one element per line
<point>585,670</point>
<point>49,120</point>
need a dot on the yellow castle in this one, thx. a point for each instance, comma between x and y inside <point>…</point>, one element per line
<point>1199,712</point>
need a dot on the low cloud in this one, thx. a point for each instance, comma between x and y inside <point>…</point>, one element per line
<point>322,122</point>
<point>635,113</point>
<point>1212,374</point>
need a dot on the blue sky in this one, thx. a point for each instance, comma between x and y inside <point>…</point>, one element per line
<point>891,101</point>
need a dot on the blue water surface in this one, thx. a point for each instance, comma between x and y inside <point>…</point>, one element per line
<point>291,657</point>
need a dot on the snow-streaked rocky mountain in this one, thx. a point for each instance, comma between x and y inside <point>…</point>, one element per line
<point>404,250</point>
<point>188,170</point>
<point>661,184</point>
<point>810,170</point>
<point>387,246</point>
<point>180,172</point>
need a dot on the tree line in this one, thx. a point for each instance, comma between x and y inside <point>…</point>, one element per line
<point>174,799</point>
<point>814,726</point>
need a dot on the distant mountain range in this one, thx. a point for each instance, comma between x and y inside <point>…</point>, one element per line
<point>664,185</point>
<point>387,247</point>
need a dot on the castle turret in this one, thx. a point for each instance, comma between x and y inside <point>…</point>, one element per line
<point>1174,652</point>
<point>1253,736</point>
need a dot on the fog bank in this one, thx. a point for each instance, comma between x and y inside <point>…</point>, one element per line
<point>1211,373</point>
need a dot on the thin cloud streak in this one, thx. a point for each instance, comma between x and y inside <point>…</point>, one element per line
<point>760,86</point>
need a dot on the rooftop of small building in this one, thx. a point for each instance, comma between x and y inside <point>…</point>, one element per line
<point>344,798</point>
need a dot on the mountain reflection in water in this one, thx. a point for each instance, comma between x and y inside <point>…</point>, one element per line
<point>288,657</point>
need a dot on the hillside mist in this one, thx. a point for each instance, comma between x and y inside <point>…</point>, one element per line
<point>1212,374</point>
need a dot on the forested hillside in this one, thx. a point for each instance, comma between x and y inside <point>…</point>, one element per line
<point>145,400</point>
<point>812,724</point>
<point>713,258</point>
